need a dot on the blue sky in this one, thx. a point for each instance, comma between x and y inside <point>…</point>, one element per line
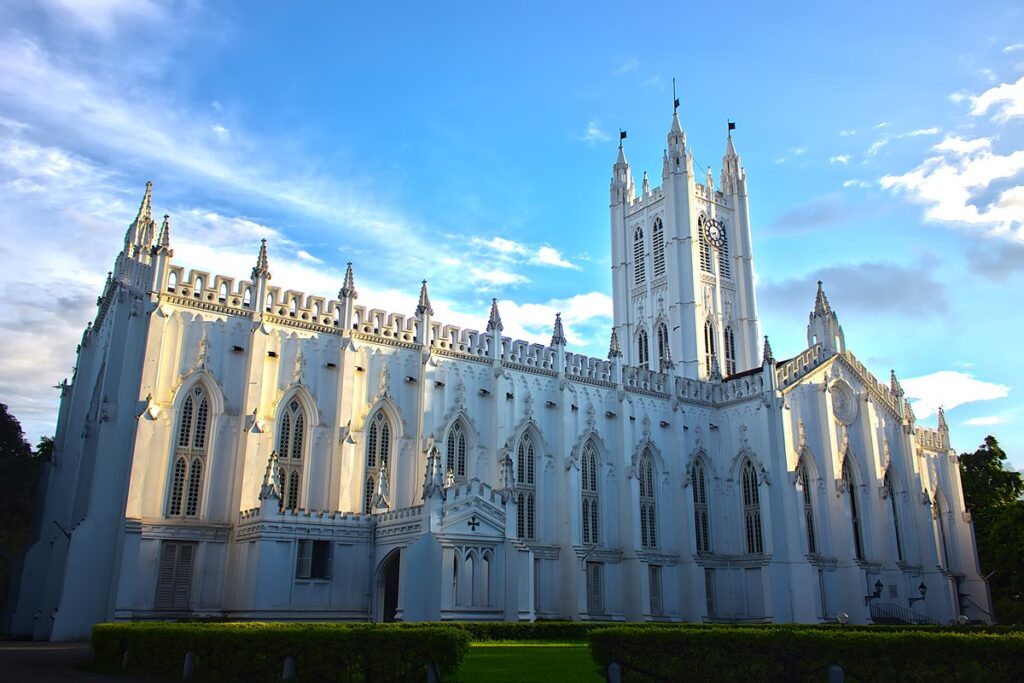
<point>471,144</point>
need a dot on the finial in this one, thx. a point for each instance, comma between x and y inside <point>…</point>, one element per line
<point>613,347</point>
<point>766,353</point>
<point>894,384</point>
<point>943,427</point>
<point>558,337</point>
<point>646,184</point>
<point>715,373</point>
<point>164,240</point>
<point>143,223</point>
<point>424,305</point>
<point>821,306</point>
<point>262,269</point>
<point>494,320</point>
<point>270,479</point>
<point>348,287</point>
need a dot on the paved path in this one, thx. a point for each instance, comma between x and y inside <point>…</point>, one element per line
<point>29,662</point>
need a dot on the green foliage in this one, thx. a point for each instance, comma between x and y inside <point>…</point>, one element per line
<point>765,654</point>
<point>560,631</point>
<point>19,472</point>
<point>986,484</point>
<point>254,651</point>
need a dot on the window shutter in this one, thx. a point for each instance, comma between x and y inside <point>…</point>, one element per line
<point>303,565</point>
<point>654,576</point>
<point>165,580</point>
<point>183,575</point>
<point>595,598</point>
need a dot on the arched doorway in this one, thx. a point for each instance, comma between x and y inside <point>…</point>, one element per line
<point>389,573</point>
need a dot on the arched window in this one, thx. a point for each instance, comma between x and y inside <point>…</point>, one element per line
<point>730,351</point>
<point>190,451</point>
<point>890,492</point>
<point>291,434</point>
<point>455,462</point>
<point>643,353</point>
<point>588,492</point>
<point>940,518</point>
<point>661,334</point>
<point>378,450</point>
<point>700,508</point>
<point>723,254</point>
<point>709,345</point>
<point>705,246</point>
<point>658,237</point>
<point>638,256</point>
<point>752,509</point>
<point>526,482</point>
<point>851,501</point>
<point>648,516</point>
<point>247,297</point>
<point>223,292</point>
<point>172,281</point>
<point>808,500</point>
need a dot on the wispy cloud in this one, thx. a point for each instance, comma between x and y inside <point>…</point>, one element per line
<point>511,252</point>
<point>854,182</point>
<point>986,421</point>
<point>628,64</point>
<point>1014,48</point>
<point>919,132</point>
<point>797,151</point>
<point>949,389</point>
<point>593,133</point>
<point>839,159</point>
<point>550,256</point>
<point>1005,100</point>
<point>877,146</point>
<point>847,132</point>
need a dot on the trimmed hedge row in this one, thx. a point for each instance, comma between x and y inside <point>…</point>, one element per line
<point>255,651</point>
<point>768,653</point>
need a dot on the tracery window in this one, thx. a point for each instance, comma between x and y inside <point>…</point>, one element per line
<point>890,491</point>
<point>752,509</point>
<point>639,270</point>
<point>190,451</point>
<point>709,345</point>
<point>807,496</point>
<point>700,508</point>
<point>378,450</point>
<point>658,237</point>
<point>455,460</point>
<point>724,268</point>
<point>643,352</point>
<point>648,517</point>
<point>661,335</point>
<point>851,501</point>
<point>291,435</point>
<point>730,351</point>
<point>590,513</point>
<point>526,483</point>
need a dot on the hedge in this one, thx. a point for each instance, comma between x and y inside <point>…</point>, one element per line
<point>767,653</point>
<point>254,651</point>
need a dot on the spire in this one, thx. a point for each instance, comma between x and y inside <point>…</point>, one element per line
<point>348,287</point>
<point>730,151</point>
<point>613,347</point>
<point>424,305</point>
<point>164,241</point>
<point>943,427</point>
<point>766,352</point>
<point>142,226</point>
<point>621,159</point>
<point>646,186</point>
<point>677,128</point>
<point>558,337</point>
<point>894,384</point>
<point>823,326</point>
<point>270,479</point>
<point>821,306</point>
<point>494,320</point>
<point>716,371</point>
<point>262,269</point>
<point>710,182</point>
<point>622,186</point>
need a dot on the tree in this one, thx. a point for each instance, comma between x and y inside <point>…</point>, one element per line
<point>19,472</point>
<point>993,495</point>
<point>12,438</point>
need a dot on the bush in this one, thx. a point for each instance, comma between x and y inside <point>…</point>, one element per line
<point>793,653</point>
<point>253,651</point>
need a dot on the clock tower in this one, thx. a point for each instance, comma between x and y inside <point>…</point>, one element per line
<point>682,266</point>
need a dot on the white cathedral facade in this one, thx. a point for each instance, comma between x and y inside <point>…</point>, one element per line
<point>232,447</point>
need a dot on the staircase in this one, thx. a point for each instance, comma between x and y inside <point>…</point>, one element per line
<point>891,613</point>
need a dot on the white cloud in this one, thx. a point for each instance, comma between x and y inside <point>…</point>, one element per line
<point>961,147</point>
<point>797,151</point>
<point>593,133</point>
<point>985,421</point>
<point>883,124</point>
<point>627,65</point>
<point>220,130</point>
<point>511,251</point>
<point>102,17</point>
<point>854,182</point>
<point>958,97</point>
<point>780,160</point>
<point>306,256</point>
<point>847,132</point>
<point>1006,99</point>
<point>1014,48</point>
<point>839,159</point>
<point>919,132</point>
<point>877,146</point>
<point>501,245</point>
<point>550,256</point>
<point>495,277</point>
<point>949,389</point>
<point>583,313</point>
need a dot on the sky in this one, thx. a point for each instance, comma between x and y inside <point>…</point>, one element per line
<point>471,144</point>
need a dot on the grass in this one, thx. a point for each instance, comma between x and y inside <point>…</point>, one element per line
<point>498,661</point>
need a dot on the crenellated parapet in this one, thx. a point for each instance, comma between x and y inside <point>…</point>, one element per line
<point>789,372</point>
<point>931,438</point>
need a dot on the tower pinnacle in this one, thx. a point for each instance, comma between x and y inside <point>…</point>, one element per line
<point>424,305</point>
<point>348,287</point>
<point>262,269</point>
<point>614,351</point>
<point>558,336</point>
<point>494,320</point>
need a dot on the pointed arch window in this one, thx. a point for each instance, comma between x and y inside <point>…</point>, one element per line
<point>752,509</point>
<point>526,483</point>
<point>940,518</point>
<point>648,510</point>
<point>807,497</point>
<point>378,451</point>
<point>709,345</point>
<point>590,514</point>
<point>700,508</point>
<point>661,334</point>
<point>890,492</point>
<point>850,489</point>
<point>643,351</point>
<point>730,351</point>
<point>658,251</point>
<point>724,268</point>
<point>190,453</point>
<point>291,434</point>
<point>639,270</point>
<point>455,460</point>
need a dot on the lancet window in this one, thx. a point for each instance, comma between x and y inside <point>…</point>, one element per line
<point>190,454</point>
<point>526,483</point>
<point>590,514</point>
<point>724,268</point>
<point>661,333</point>
<point>701,515</point>
<point>709,345</point>
<point>890,491</point>
<point>291,434</point>
<point>730,351</point>
<point>752,509</point>
<point>648,516</point>
<point>658,251</point>
<point>854,510</point>
<point>455,460</point>
<point>643,351</point>
<point>940,518</point>
<point>378,451</point>
<point>807,498</point>
<point>639,269</point>
<point>705,250</point>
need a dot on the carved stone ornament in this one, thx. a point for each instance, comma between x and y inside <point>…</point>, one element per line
<point>844,403</point>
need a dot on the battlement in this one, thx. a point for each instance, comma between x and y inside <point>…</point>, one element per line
<point>879,390</point>
<point>789,372</point>
<point>468,488</point>
<point>255,514</point>
<point>642,201</point>
<point>930,438</point>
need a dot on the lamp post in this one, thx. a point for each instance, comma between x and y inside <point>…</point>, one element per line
<point>874,596</point>
<point>922,589</point>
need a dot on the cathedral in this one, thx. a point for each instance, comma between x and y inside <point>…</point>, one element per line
<point>232,447</point>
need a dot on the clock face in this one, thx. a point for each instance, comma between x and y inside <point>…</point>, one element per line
<point>714,230</point>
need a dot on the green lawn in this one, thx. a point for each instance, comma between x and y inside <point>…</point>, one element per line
<point>495,662</point>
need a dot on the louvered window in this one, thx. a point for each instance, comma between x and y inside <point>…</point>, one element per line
<point>174,581</point>
<point>643,350</point>
<point>186,480</point>
<point>705,246</point>
<point>724,268</point>
<point>700,509</point>
<point>709,346</point>
<point>648,517</point>
<point>590,513</point>
<point>661,333</point>
<point>595,587</point>
<point>752,510</point>
<point>654,588</point>
<point>526,520</point>
<point>639,269</point>
<point>658,237</point>
<point>730,351</point>
<point>290,439</point>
